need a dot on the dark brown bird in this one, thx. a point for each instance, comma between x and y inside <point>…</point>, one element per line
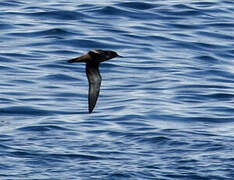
<point>93,59</point>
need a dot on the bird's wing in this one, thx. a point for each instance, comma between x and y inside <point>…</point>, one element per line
<point>94,77</point>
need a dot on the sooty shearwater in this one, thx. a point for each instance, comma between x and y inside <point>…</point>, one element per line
<point>93,59</point>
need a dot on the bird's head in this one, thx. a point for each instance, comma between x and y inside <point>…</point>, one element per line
<point>101,55</point>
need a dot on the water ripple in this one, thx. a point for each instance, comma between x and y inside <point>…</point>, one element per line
<point>165,110</point>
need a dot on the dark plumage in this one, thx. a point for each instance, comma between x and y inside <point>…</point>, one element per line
<point>93,59</point>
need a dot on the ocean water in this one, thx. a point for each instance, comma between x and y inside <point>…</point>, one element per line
<point>165,110</point>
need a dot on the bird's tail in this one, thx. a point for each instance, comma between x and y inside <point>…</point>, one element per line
<point>83,58</point>
<point>74,60</point>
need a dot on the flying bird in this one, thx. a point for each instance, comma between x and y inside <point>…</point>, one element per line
<point>93,59</point>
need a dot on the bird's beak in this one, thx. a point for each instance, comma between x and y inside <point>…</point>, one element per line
<point>120,56</point>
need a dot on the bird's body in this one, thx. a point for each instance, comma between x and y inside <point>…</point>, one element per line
<point>93,59</point>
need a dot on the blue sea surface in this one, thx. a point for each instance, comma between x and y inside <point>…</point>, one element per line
<point>165,110</point>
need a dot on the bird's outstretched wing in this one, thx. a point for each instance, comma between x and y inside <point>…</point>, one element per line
<point>94,77</point>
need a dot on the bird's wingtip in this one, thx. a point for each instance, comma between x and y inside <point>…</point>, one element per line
<point>90,111</point>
